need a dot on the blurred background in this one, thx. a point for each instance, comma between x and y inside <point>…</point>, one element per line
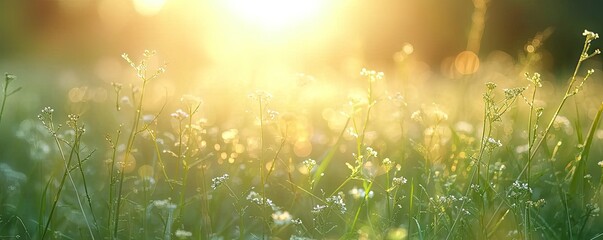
<point>56,41</point>
<point>66,53</point>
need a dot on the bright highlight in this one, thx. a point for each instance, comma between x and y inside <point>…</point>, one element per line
<point>275,14</point>
<point>148,7</point>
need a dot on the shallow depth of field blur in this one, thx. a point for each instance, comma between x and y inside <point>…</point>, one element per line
<point>300,119</point>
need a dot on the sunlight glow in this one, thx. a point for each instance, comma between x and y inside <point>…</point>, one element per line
<point>275,14</point>
<point>148,7</point>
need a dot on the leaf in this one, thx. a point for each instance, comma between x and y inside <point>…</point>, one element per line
<point>583,157</point>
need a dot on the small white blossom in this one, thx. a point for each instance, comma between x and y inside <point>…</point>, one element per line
<point>399,181</point>
<point>371,152</point>
<point>493,143</point>
<point>337,201</point>
<point>217,181</point>
<point>590,35</point>
<point>179,114</point>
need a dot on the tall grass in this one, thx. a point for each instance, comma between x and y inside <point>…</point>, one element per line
<point>379,165</point>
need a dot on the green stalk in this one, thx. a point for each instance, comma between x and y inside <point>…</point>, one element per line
<point>410,206</point>
<point>365,201</point>
<point>568,94</point>
<point>5,94</point>
<point>66,173</point>
<point>129,147</point>
<point>389,208</point>
<point>262,178</point>
<point>112,178</point>
<point>485,135</point>
<point>79,162</point>
<point>328,157</point>
<point>580,170</point>
<point>182,160</point>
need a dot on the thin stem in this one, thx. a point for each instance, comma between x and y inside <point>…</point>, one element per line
<point>129,147</point>
<point>568,93</point>
<point>4,96</point>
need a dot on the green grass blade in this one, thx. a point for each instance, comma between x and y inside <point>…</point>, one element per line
<point>328,157</point>
<point>583,157</point>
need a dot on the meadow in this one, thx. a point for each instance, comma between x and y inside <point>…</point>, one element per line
<point>491,148</point>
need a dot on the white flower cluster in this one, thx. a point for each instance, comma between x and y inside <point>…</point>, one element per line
<point>399,181</point>
<point>179,115</point>
<point>259,200</point>
<point>518,189</point>
<point>217,181</point>
<point>337,201</point>
<point>372,75</point>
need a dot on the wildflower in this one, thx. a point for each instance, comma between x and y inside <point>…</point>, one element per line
<point>498,166</point>
<point>217,181</point>
<point>297,221</point>
<point>416,116</point>
<point>387,163</point>
<point>372,75</point>
<point>590,35</point>
<point>256,198</point>
<point>9,77</point>
<point>490,85</point>
<point>536,204</point>
<point>535,79</point>
<point>72,119</point>
<point>337,201</point>
<point>281,218</point>
<point>182,234</point>
<point>399,180</point>
<point>518,189</point>
<point>179,115</point>
<point>600,163</point>
<point>440,115</point>
<point>47,110</point>
<point>128,60</point>
<point>493,143</point>
<point>318,208</point>
<point>511,93</point>
<point>352,132</point>
<point>371,152</point>
<point>309,163</point>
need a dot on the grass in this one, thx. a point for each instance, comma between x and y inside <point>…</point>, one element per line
<point>379,165</point>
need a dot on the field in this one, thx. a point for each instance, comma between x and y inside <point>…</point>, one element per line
<point>490,146</point>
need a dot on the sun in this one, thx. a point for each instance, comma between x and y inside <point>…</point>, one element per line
<point>275,14</point>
